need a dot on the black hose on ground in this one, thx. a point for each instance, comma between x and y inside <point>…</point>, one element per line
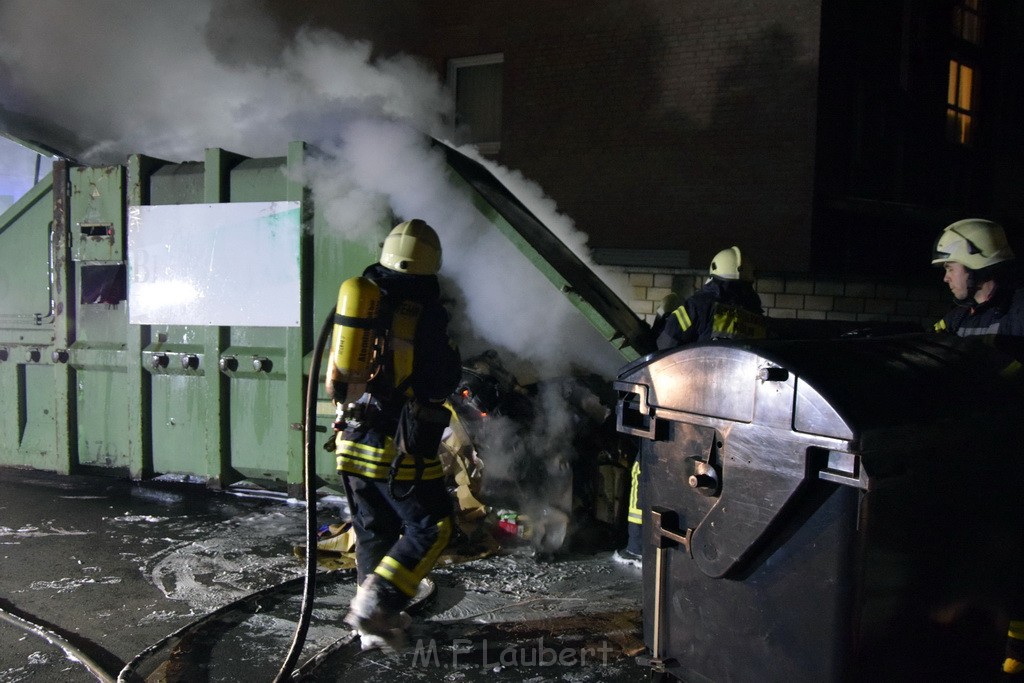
<point>309,475</point>
<point>194,629</point>
<point>72,652</point>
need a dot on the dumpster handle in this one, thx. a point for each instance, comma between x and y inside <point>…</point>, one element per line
<point>666,529</point>
<point>666,534</point>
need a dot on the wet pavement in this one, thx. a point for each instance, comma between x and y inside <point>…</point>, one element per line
<point>114,567</point>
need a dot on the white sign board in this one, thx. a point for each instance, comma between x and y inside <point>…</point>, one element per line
<point>214,264</point>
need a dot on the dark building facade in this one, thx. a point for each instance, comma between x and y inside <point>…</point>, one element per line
<point>920,124</point>
<point>832,137</point>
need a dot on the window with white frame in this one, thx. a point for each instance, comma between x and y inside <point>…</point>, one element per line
<point>476,83</point>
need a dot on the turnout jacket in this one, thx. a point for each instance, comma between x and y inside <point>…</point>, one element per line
<point>421,365</point>
<point>720,309</point>
<point>1003,314</point>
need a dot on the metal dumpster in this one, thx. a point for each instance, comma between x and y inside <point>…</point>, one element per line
<point>157,319</point>
<point>842,509</point>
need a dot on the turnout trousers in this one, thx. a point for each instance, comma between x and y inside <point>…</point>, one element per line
<point>398,540</point>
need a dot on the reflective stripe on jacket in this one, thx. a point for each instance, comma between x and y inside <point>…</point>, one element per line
<point>421,362</point>
<point>1003,314</point>
<point>720,310</point>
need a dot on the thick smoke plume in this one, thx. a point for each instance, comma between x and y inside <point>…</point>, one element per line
<point>109,78</point>
<point>102,79</point>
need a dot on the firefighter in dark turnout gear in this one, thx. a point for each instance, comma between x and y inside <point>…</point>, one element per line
<point>726,307</point>
<point>387,450</point>
<point>979,268</point>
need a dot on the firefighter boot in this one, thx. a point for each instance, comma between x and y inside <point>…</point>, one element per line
<point>376,612</point>
<point>625,556</point>
<point>394,641</point>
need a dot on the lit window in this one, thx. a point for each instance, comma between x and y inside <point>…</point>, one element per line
<point>959,108</point>
<point>962,87</point>
<point>477,85</point>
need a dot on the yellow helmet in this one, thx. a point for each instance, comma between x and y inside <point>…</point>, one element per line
<point>412,247</point>
<point>974,243</point>
<point>727,264</point>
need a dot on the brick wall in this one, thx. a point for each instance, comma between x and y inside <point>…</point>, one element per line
<point>687,125</point>
<point>805,297</point>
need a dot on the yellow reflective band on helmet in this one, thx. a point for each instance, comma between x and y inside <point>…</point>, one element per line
<point>635,515</point>
<point>408,580</point>
<point>683,317</point>
<point>940,326</point>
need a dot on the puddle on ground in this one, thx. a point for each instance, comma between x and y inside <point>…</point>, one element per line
<point>510,605</point>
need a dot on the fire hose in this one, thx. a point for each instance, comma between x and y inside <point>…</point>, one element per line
<point>288,667</point>
<point>309,586</point>
<point>70,650</point>
<point>309,477</point>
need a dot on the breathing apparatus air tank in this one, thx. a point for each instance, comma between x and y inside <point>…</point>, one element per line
<point>354,347</point>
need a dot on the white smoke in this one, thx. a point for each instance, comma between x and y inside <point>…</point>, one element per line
<point>171,79</point>
<point>507,303</point>
<point>142,77</point>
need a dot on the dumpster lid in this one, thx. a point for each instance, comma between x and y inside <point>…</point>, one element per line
<point>851,386</point>
<point>604,309</point>
<point>38,135</point>
<point>902,379</point>
<point>567,272</point>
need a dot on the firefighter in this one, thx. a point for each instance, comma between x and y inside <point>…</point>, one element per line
<point>980,269</point>
<point>726,307</point>
<point>387,448</point>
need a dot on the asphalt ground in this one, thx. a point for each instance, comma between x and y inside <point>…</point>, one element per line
<point>114,566</point>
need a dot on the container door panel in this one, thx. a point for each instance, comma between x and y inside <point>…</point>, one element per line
<point>259,393</point>
<point>102,412</point>
<point>180,441</point>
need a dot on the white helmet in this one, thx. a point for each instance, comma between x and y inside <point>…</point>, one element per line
<point>727,264</point>
<point>412,247</point>
<point>975,243</point>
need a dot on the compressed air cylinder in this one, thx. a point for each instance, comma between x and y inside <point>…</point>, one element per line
<point>353,345</point>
